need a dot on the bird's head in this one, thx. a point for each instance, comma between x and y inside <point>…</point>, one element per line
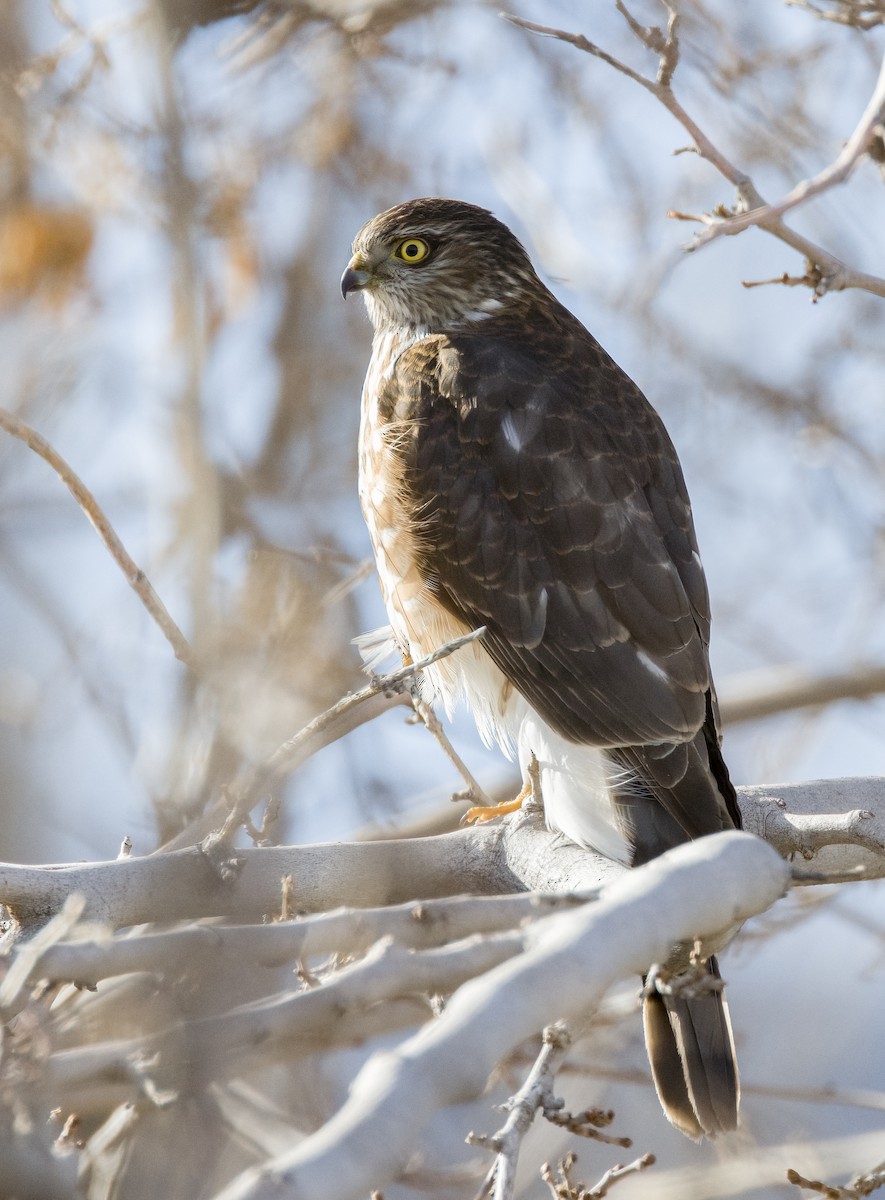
<point>436,264</point>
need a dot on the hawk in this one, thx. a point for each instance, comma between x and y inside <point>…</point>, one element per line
<point>512,476</point>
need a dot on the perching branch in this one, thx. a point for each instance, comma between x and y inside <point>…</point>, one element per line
<point>508,966</point>
<point>825,816</point>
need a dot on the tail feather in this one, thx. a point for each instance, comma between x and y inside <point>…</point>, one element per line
<point>691,1052</point>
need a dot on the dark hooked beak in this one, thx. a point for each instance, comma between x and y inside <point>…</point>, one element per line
<point>353,281</point>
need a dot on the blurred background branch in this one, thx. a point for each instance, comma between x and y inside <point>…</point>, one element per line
<point>179,184</point>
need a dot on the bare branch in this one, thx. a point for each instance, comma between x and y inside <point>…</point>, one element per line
<point>415,925</point>
<point>382,993</point>
<point>811,278</point>
<point>475,791</point>
<point>566,969</point>
<point>537,1094</point>
<point>763,694</point>
<point>826,272</point>
<point>184,883</point>
<point>565,1189</point>
<point>854,150</point>
<point>495,858</point>
<point>842,845</point>
<point>861,1186</point>
<point>326,727</point>
<point>861,14</point>
<point>135,577</point>
<point>620,1172</point>
<point>310,1018</point>
<point>581,43</point>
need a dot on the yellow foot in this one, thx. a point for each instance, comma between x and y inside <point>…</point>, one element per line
<point>481,813</point>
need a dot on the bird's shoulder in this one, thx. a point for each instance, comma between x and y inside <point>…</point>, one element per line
<point>537,384</point>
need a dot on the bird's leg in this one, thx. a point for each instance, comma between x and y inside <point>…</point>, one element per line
<point>534,783</point>
<point>479,814</point>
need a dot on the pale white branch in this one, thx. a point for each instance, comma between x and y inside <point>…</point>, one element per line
<point>388,972</point>
<point>536,1094</point>
<point>501,1179</point>
<point>184,883</point>
<point>375,995</point>
<point>508,857</point>
<point>415,925</point>
<point>572,960</point>
<point>841,822</point>
<point>566,1186</point>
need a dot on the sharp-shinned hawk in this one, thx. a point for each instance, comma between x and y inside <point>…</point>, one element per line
<point>512,476</point>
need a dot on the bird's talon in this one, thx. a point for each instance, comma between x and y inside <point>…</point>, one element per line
<point>479,814</point>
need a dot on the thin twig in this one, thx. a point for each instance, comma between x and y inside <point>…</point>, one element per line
<point>136,578</point>
<point>860,1186</point>
<point>247,792</point>
<point>861,14</point>
<point>505,1144</point>
<point>826,272</point>
<point>838,171</point>
<point>565,1188</point>
<point>475,791</point>
<point>619,1172</point>
<point>534,1095</point>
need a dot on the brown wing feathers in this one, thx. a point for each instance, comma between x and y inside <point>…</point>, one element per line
<point>537,522</point>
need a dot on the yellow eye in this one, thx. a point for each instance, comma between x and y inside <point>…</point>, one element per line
<point>412,250</point>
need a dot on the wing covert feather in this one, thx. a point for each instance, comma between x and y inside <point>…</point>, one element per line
<point>552,510</point>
